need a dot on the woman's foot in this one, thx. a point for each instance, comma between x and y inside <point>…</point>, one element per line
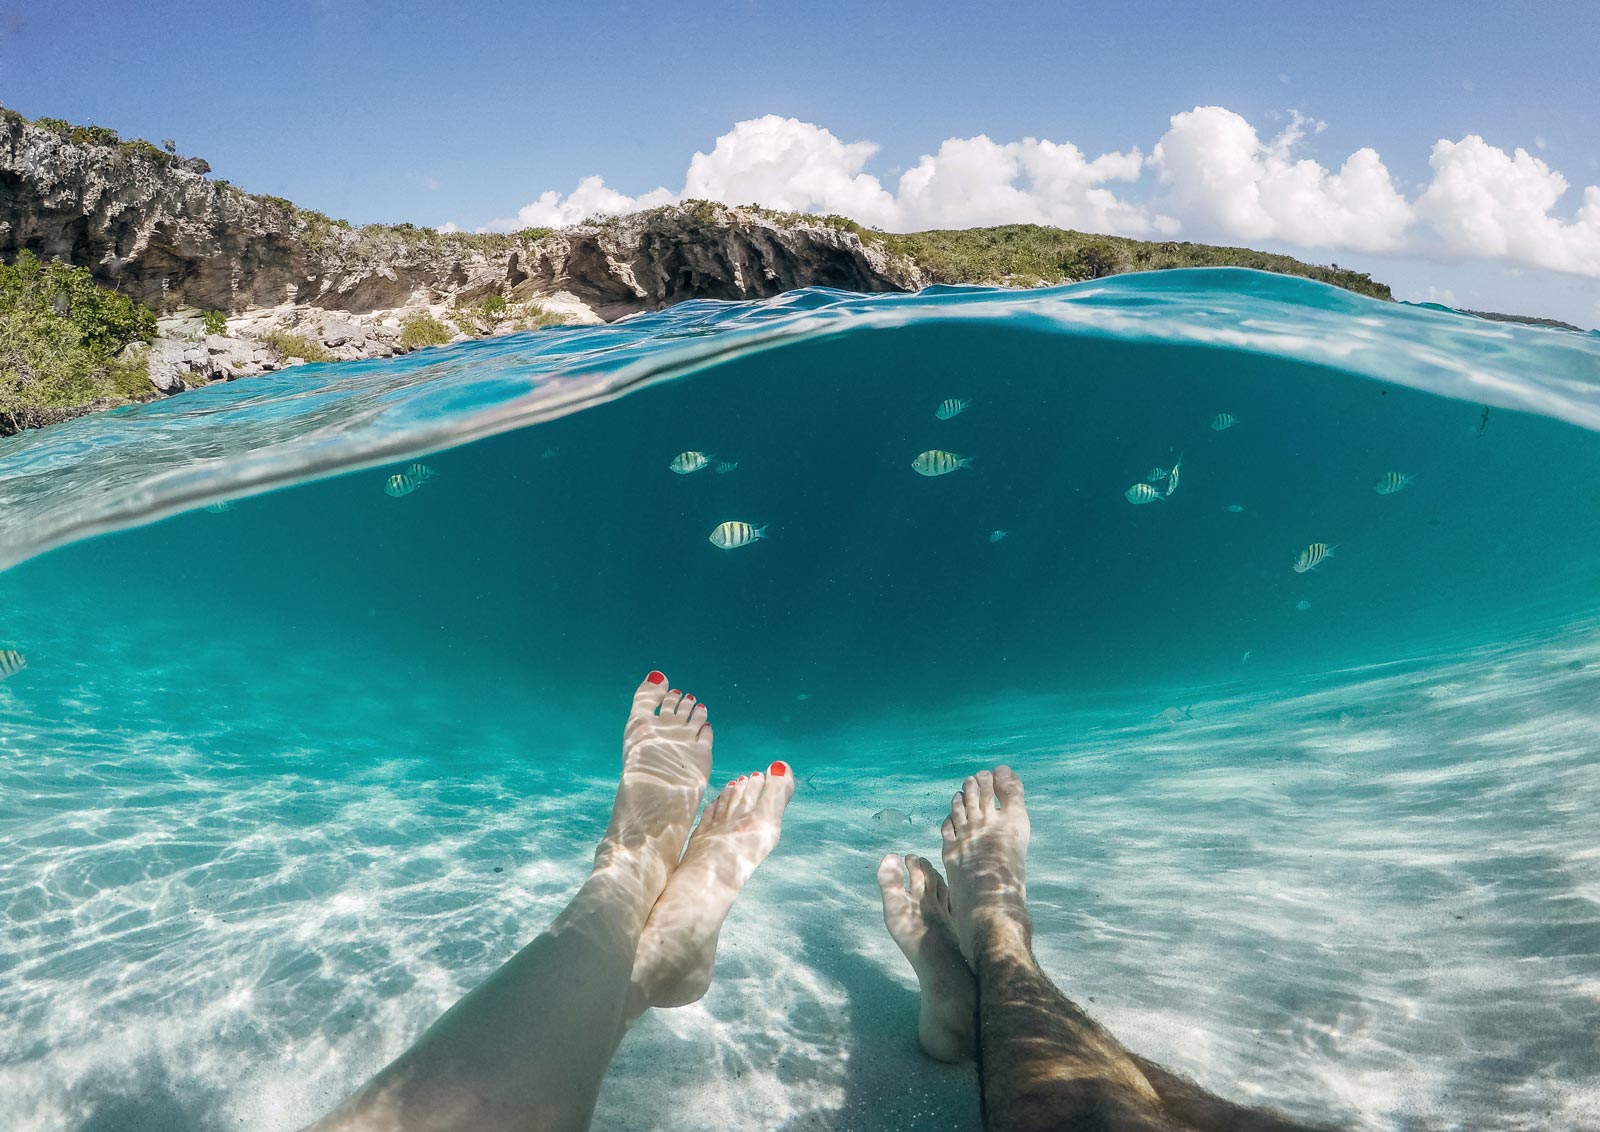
<point>985,841</point>
<point>666,759</point>
<point>920,922</point>
<point>736,832</point>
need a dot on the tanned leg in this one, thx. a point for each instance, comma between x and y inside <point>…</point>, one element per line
<point>1043,1062</point>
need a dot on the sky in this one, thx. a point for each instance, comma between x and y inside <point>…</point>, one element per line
<point>1449,149</point>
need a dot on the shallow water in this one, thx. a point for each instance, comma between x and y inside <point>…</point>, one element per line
<point>262,764</point>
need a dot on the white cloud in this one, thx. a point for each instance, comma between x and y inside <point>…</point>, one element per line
<point>1485,202</point>
<point>1221,177</point>
<point>1211,177</point>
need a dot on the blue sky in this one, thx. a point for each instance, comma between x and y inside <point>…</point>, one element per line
<point>464,114</point>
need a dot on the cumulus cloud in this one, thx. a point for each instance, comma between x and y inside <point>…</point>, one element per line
<point>1222,177</point>
<point>797,166</point>
<point>1486,202</point>
<point>1211,176</point>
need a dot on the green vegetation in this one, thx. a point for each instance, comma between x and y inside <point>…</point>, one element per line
<point>215,322</point>
<point>533,235</point>
<point>61,343</point>
<point>532,316</point>
<point>417,330</point>
<point>290,345</point>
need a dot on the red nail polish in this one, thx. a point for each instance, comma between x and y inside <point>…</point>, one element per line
<point>673,692</point>
<point>657,677</point>
<point>778,769</point>
<point>689,696</point>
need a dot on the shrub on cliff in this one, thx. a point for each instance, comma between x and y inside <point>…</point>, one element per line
<point>417,330</point>
<point>60,337</point>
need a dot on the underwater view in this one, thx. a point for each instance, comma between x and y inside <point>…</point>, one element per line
<point>1284,601</point>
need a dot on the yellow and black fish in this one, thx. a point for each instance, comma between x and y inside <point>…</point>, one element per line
<point>734,534</point>
<point>1311,556</point>
<point>938,462</point>
<point>399,484</point>
<point>11,662</point>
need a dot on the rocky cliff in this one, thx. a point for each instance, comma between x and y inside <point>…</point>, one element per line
<point>148,224</point>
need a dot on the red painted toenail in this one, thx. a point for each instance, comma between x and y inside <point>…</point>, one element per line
<point>778,769</point>
<point>657,678</point>
<point>689,696</point>
<point>673,692</point>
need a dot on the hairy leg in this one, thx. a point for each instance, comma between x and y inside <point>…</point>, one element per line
<point>527,1049</point>
<point>1043,1062</point>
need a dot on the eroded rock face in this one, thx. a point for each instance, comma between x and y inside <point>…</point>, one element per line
<point>168,236</point>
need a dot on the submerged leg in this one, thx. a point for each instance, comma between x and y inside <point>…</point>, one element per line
<point>1043,1062</point>
<point>736,832</point>
<point>527,1048</point>
<point>921,924</point>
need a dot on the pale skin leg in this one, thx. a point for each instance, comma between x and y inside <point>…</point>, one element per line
<point>1044,1063</point>
<point>527,1049</point>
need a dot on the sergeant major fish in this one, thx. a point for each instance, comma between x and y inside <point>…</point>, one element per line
<point>686,462</point>
<point>1311,556</point>
<point>11,662</point>
<point>220,507</point>
<point>733,534</point>
<point>1172,477</point>
<point>996,536</point>
<point>399,484</point>
<point>1223,421</point>
<point>1392,482</point>
<point>950,407</point>
<point>1142,493</point>
<point>938,462</point>
<point>421,473</point>
<point>1156,475</point>
<point>725,467</point>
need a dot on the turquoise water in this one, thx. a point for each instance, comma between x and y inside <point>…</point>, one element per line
<point>264,763</point>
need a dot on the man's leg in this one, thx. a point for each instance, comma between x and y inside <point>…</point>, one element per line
<point>1044,1063</point>
<point>527,1049</point>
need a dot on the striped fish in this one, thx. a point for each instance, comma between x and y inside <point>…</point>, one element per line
<point>938,462</point>
<point>220,507</point>
<point>399,484</point>
<point>726,466</point>
<point>1392,482</point>
<point>11,662</point>
<point>685,463</point>
<point>1156,475</point>
<point>1142,493</point>
<point>996,536</point>
<point>733,534</point>
<point>421,473</point>
<point>1223,421</point>
<point>950,407</point>
<point>1312,556</point>
<point>1172,477</point>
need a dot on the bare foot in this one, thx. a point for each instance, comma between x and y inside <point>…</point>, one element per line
<point>984,846</point>
<point>666,758</point>
<point>920,923</point>
<point>738,829</point>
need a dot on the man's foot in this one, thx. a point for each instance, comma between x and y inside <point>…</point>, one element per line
<point>920,923</point>
<point>984,846</point>
<point>736,832</point>
<point>666,759</point>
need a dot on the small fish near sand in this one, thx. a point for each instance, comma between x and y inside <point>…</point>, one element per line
<point>892,817</point>
<point>1141,493</point>
<point>1392,482</point>
<point>687,463</point>
<point>398,485</point>
<point>11,663</point>
<point>996,536</point>
<point>734,534</point>
<point>938,462</point>
<point>1176,715</point>
<point>725,467</point>
<point>1222,422</point>
<point>1312,556</point>
<point>951,407</point>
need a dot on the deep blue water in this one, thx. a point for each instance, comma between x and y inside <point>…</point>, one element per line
<point>260,761</point>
